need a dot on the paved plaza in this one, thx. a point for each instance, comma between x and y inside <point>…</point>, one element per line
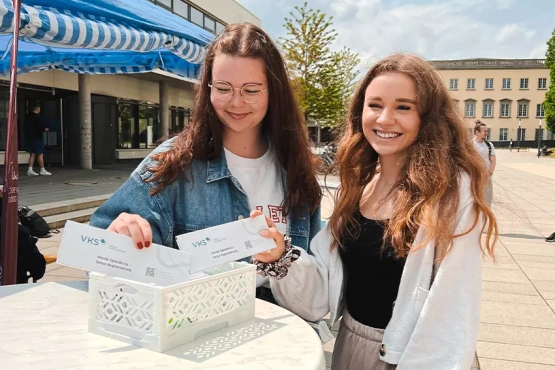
<point>518,303</point>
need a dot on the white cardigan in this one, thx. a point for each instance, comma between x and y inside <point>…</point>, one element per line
<point>431,328</point>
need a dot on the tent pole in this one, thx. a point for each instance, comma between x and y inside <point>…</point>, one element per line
<point>8,241</point>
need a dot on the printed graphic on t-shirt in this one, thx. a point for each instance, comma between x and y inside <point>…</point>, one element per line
<point>275,213</point>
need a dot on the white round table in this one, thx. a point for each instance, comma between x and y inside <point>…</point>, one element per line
<point>44,326</point>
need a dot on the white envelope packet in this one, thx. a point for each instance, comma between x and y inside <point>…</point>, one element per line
<point>225,243</point>
<point>92,249</point>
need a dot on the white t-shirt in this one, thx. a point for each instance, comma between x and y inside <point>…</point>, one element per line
<point>260,179</point>
<point>483,150</point>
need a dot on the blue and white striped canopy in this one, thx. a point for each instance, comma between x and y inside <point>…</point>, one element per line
<point>130,25</point>
<point>35,58</point>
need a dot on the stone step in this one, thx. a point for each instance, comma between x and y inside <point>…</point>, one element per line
<point>58,221</point>
<point>57,208</point>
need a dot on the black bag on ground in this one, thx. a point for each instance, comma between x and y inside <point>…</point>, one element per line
<point>34,222</point>
<point>30,261</point>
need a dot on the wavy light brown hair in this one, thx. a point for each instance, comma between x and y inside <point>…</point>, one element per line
<point>427,191</point>
<point>283,123</point>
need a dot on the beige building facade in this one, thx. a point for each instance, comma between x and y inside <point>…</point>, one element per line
<point>502,93</point>
<point>129,112</point>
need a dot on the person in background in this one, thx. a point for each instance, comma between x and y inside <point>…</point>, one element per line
<point>487,152</point>
<point>511,145</point>
<point>34,130</point>
<point>246,148</point>
<point>401,257</point>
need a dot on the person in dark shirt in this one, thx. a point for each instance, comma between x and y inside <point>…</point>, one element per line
<point>400,259</point>
<point>34,129</point>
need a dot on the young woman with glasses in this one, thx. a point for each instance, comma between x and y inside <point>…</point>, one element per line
<point>246,148</point>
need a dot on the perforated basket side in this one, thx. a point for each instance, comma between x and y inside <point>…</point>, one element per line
<point>215,296</point>
<point>121,306</point>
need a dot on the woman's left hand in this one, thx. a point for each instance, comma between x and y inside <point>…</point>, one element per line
<point>275,254</point>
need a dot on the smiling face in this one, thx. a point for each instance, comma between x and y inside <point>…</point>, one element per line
<point>236,114</point>
<point>390,119</point>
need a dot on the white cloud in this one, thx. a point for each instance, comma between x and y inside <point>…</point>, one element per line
<point>539,51</point>
<point>505,4</point>
<point>513,31</point>
<point>434,29</point>
<point>437,30</point>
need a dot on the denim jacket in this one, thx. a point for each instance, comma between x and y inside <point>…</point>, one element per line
<point>211,197</point>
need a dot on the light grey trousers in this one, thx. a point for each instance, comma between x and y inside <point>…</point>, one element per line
<point>357,347</point>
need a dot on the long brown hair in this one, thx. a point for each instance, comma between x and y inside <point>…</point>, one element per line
<point>283,123</point>
<point>427,190</point>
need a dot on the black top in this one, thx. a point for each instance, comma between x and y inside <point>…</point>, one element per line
<point>373,274</point>
<point>33,127</point>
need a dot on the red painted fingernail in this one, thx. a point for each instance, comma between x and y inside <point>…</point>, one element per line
<point>140,245</point>
<point>147,244</point>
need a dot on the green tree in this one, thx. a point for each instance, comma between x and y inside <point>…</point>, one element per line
<point>322,79</point>
<point>549,103</point>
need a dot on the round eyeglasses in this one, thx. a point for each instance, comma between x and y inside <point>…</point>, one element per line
<point>223,91</point>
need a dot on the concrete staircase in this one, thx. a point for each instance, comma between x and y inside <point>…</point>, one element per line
<point>78,210</point>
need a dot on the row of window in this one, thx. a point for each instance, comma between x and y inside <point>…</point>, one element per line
<point>192,14</point>
<point>506,83</point>
<point>504,134</point>
<point>505,109</point>
<point>139,124</point>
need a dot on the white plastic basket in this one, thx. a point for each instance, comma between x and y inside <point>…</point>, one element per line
<point>162,318</point>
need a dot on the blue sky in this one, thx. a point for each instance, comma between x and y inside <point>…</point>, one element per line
<point>434,29</point>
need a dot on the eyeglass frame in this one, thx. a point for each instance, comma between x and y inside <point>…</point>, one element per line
<point>211,85</point>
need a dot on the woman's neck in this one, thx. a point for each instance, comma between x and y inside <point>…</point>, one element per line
<point>246,144</point>
<point>390,167</point>
<point>478,139</point>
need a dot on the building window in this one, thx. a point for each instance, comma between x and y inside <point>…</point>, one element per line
<point>505,109</point>
<point>523,109</point>
<point>180,118</point>
<point>470,110</point>
<point>453,84</point>
<point>524,84</point>
<point>197,17</point>
<point>503,133</point>
<point>542,83</point>
<point>488,109</point>
<point>540,113</point>
<point>181,8</point>
<point>522,133</point>
<point>148,126</point>
<point>126,125</point>
<point>219,28</point>
<point>489,83</point>
<point>488,137</point>
<point>165,3</point>
<point>471,84</point>
<point>506,84</point>
<point>537,135</point>
<point>138,125</point>
<point>209,24</point>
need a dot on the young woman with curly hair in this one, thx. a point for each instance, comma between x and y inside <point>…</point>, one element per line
<point>401,257</point>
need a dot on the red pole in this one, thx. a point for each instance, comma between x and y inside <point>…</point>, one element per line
<point>8,241</point>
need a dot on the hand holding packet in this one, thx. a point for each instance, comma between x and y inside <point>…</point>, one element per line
<point>92,249</point>
<point>225,243</point>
